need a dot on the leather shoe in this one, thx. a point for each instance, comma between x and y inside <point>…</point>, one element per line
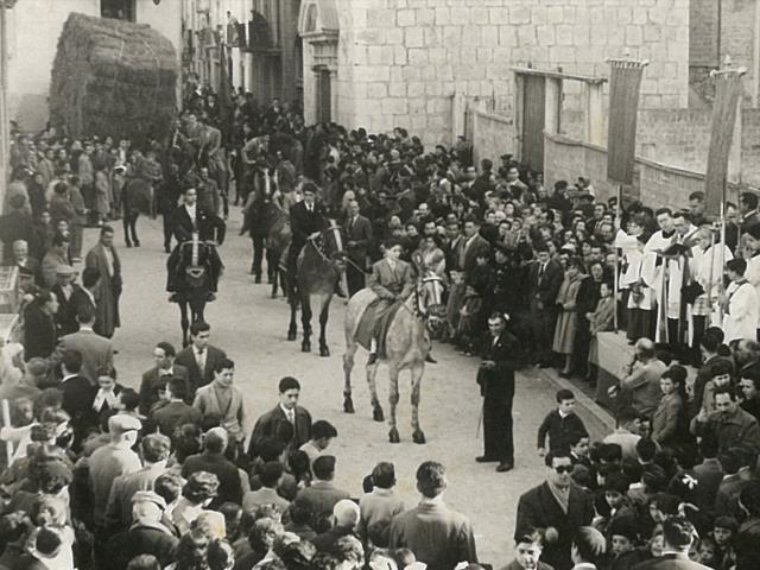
<point>505,466</point>
<point>485,459</point>
<point>372,358</point>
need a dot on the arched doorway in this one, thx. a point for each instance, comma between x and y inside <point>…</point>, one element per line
<point>318,27</point>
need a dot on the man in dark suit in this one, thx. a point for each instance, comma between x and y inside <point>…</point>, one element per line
<point>190,217</point>
<point>474,245</point>
<point>307,220</point>
<point>438,536</point>
<point>96,350</point>
<point>359,235</point>
<point>501,357</point>
<point>200,358</point>
<point>559,504</point>
<point>176,412</point>
<point>164,355</point>
<point>750,218</point>
<point>544,280</point>
<point>212,460</point>
<point>64,290</point>
<point>78,396</point>
<point>678,534</point>
<point>288,422</point>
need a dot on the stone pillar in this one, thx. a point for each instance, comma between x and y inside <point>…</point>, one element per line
<point>594,113</point>
<point>333,94</point>
<point>553,105</point>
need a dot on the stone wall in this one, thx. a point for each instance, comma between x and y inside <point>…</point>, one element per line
<point>401,60</point>
<point>703,33</point>
<point>493,135</point>
<point>656,184</point>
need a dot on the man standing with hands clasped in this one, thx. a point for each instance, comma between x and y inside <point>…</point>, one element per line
<point>496,377</point>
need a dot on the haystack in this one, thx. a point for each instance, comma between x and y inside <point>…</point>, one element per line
<point>112,77</point>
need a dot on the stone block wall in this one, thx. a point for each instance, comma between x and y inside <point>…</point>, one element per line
<point>401,60</point>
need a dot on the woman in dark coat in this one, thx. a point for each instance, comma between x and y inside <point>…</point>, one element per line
<point>40,331</point>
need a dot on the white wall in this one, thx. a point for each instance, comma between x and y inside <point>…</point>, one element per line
<point>33,30</point>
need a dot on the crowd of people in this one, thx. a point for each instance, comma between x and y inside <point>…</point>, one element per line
<point>166,476</point>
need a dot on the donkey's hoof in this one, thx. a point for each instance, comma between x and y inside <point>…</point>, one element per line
<point>291,335</point>
<point>306,346</point>
<point>393,436</point>
<point>324,351</point>
<point>378,415</point>
<point>348,405</point>
<point>418,437</point>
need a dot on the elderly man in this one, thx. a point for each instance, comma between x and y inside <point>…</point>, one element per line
<point>730,424</point>
<point>640,387</point>
<point>213,461</point>
<point>558,505</point>
<point>438,536</point>
<point>110,461</point>
<point>28,267</point>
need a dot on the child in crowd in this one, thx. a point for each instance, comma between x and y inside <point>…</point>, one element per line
<point>560,424</point>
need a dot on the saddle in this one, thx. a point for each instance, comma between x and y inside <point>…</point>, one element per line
<point>375,322</point>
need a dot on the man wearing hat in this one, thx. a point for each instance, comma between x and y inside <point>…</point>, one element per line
<point>112,460</point>
<point>67,292</point>
<point>147,535</point>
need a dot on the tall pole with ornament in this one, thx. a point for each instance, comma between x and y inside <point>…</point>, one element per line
<point>4,118</point>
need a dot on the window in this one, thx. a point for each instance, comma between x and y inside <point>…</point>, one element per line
<point>118,9</point>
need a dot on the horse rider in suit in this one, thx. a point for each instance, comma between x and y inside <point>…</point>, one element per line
<point>545,277</point>
<point>288,422</point>
<point>200,358</point>
<point>188,220</point>
<point>164,355</point>
<point>392,280</point>
<point>359,235</point>
<point>308,219</point>
<point>496,377</point>
<point>556,503</point>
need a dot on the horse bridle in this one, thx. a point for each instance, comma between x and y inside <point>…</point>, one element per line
<point>430,278</point>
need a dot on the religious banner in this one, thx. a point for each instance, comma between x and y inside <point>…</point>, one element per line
<point>226,103</point>
<point>728,90</point>
<point>625,81</point>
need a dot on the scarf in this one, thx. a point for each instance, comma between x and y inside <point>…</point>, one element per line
<point>561,496</point>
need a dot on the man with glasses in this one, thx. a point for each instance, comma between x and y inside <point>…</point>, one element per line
<point>558,506</point>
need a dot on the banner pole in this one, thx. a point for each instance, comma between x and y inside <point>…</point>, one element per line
<point>616,283</point>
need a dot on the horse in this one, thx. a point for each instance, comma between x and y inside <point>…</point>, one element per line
<point>136,198</point>
<point>407,345</point>
<point>319,267</point>
<point>194,269</point>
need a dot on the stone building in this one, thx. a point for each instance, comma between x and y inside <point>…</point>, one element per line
<point>33,30</point>
<point>382,63</point>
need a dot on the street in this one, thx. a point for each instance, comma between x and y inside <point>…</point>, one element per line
<point>251,327</point>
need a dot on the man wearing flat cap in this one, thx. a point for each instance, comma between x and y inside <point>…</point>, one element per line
<point>67,292</point>
<point>147,535</point>
<point>112,460</point>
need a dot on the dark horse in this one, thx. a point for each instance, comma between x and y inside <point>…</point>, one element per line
<point>194,269</point>
<point>270,219</point>
<point>318,269</point>
<point>136,198</point>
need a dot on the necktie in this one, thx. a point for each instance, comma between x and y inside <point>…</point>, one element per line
<point>201,359</point>
<point>291,417</point>
<point>541,270</point>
